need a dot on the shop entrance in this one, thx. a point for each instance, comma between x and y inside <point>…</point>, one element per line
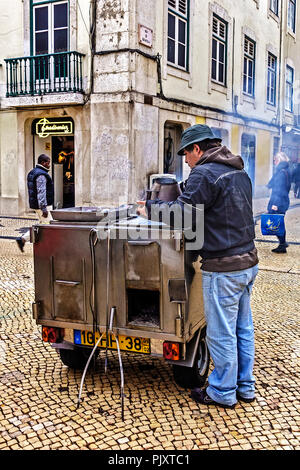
<point>54,136</point>
<point>248,154</point>
<point>63,171</point>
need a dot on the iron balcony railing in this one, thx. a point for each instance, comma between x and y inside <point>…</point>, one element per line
<point>44,74</point>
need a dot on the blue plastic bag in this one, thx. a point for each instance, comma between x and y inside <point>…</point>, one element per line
<point>272,224</point>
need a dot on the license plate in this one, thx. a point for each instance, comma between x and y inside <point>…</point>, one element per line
<point>126,343</point>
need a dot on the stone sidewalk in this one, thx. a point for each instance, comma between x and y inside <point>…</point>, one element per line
<point>38,394</point>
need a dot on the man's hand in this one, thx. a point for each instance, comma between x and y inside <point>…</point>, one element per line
<point>45,214</point>
<point>141,210</point>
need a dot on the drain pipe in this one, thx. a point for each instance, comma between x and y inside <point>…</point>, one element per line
<point>107,296</point>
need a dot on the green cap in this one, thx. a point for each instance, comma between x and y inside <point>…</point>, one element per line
<point>195,134</point>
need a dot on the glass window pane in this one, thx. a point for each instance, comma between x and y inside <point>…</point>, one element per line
<point>221,52</point>
<point>181,55</point>
<point>250,69</point>
<point>250,84</point>
<point>61,15</point>
<point>273,96</point>
<point>214,49</point>
<point>245,83</point>
<point>60,40</point>
<point>41,43</point>
<point>41,18</point>
<point>272,80</point>
<point>181,36</point>
<point>214,70</point>
<point>171,51</point>
<point>221,73</point>
<point>171,26</point>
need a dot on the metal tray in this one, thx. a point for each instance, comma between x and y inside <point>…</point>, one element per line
<point>80,214</point>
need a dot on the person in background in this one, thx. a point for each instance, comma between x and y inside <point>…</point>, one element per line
<point>40,194</point>
<point>279,202</point>
<point>296,178</point>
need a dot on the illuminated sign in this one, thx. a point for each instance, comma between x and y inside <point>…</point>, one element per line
<point>44,128</point>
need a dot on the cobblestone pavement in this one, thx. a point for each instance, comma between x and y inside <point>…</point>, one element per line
<point>38,394</point>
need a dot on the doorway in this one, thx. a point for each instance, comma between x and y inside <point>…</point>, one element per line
<point>63,171</point>
<point>172,161</point>
<point>248,153</point>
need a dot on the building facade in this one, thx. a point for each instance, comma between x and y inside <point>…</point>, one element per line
<point>105,88</point>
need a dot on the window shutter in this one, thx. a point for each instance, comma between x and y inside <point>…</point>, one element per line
<point>179,5</point>
<point>183,7</point>
<point>219,28</point>
<point>271,61</point>
<point>249,48</point>
<point>172,3</point>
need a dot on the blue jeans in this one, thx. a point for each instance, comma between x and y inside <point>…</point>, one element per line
<point>229,333</point>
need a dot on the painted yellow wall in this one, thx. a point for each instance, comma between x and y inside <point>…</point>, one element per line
<point>263,157</point>
<point>200,120</point>
<point>235,139</point>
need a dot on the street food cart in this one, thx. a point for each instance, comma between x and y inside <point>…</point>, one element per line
<point>106,278</point>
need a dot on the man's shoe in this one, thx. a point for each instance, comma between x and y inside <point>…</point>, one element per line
<point>280,249</point>
<point>244,399</point>
<point>200,396</point>
<point>21,243</point>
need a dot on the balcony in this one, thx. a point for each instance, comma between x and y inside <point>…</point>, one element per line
<point>34,79</point>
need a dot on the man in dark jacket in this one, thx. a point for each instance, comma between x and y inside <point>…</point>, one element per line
<point>229,262</point>
<point>40,194</point>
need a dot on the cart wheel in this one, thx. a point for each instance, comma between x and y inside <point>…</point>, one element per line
<point>76,358</point>
<point>195,376</point>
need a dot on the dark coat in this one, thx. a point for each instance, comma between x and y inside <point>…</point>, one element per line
<point>32,190</point>
<point>219,182</point>
<point>296,174</point>
<point>280,183</point>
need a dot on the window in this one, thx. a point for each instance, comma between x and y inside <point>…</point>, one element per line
<point>292,15</point>
<point>249,67</point>
<point>219,51</point>
<point>178,33</point>
<point>50,22</point>
<point>274,6</point>
<point>271,84</point>
<point>50,35</point>
<point>289,88</point>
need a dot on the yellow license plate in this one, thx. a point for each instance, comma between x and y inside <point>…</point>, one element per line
<point>126,343</point>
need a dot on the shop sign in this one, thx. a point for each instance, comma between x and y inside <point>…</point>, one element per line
<point>44,127</point>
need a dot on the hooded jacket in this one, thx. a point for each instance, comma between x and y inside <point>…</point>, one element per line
<point>219,182</point>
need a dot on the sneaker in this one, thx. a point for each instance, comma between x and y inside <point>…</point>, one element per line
<point>21,243</point>
<point>279,249</point>
<point>200,396</point>
<point>244,399</point>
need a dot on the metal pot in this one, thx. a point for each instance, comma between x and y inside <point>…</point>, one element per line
<point>165,189</point>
